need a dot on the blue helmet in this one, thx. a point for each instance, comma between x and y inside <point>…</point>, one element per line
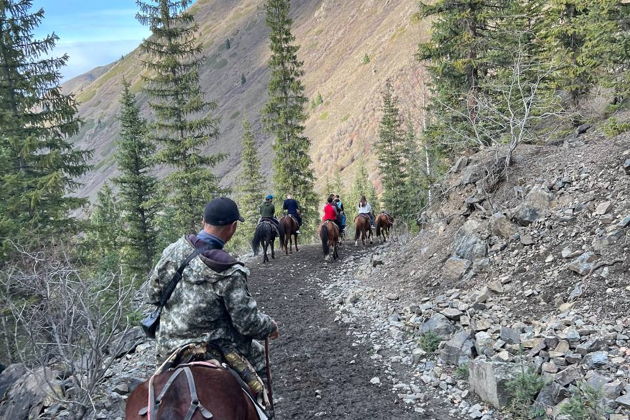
<point>269,197</point>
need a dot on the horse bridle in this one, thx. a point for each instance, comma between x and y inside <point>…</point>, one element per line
<point>154,403</point>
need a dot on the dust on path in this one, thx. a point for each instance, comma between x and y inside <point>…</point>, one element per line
<point>317,370</point>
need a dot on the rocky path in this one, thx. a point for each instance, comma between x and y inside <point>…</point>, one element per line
<point>319,370</point>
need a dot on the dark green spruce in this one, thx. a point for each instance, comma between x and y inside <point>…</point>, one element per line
<point>284,113</point>
<point>40,166</point>
<point>137,188</point>
<point>250,188</point>
<point>390,150</point>
<point>183,124</point>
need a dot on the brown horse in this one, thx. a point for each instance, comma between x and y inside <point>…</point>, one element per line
<point>383,223</point>
<point>290,227</point>
<point>195,391</point>
<point>362,229</point>
<point>329,234</point>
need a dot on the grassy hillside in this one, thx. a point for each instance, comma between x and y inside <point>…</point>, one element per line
<point>349,49</point>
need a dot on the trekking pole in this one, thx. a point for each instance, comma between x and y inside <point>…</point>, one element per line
<point>269,373</point>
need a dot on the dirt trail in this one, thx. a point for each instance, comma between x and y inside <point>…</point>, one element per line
<point>318,372</point>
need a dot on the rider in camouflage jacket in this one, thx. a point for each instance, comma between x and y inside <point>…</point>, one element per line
<point>211,303</point>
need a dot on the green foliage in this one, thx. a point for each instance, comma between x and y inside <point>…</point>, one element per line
<point>612,127</point>
<point>429,342</point>
<point>391,153</point>
<point>523,390</point>
<point>38,163</point>
<point>365,59</point>
<point>284,114</point>
<point>587,44</point>
<point>183,123</point>
<point>360,186</point>
<point>462,372</point>
<point>101,247</point>
<point>317,101</point>
<point>249,189</point>
<point>137,189</point>
<point>586,403</point>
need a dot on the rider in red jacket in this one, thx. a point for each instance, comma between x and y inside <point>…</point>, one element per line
<point>330,212</point>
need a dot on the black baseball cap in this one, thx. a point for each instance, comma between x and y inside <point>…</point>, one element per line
<point>221,211</point>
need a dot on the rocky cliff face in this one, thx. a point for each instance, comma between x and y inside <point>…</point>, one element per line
<point>349,49</point>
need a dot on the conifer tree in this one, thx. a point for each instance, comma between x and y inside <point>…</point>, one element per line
<point>361,186</point>
<point>103,242</point>
<point>284,113</point>
<point>416,180</point>
<point>137,188</point>
<point>586,41</point>
<point>459,56</point>
<point>390,148</point>
<point>39,163</point>
<point>183,124</point>
<point>251,184</point>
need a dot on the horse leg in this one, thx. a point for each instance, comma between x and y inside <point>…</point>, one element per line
<point>357,233</point>
<point>273,254</point>
<point>265,257</point>
<point>295,236</point>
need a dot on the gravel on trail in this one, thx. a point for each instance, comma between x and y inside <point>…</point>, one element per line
<point>319,371</point>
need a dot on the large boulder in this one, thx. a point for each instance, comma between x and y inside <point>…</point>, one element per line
<point>439,324</point>
<point>30,394</point>
<point>127,341</point>
<point>470,242</point>
<point>9,376</point>
<point>583,264</point>
<point>458,350</point>
<point>501,226</point>
<point>535,206</point>
<point>489,380</point>
<point>455,267</point>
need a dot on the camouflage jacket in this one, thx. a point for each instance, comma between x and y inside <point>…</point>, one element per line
<point>211,302</point>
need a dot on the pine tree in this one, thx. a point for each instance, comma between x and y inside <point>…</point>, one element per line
<point>459,57</point>
<point>39,163</point>
<point>390,151</point>
<point>183,123</point>
<point>251,184</point>
<point>102,245</point>
<point>284,114</point>
<point>416,179</point>
<point>137,188</point>
<point>361,186</point>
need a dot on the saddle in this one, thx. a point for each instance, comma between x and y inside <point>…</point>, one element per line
<point>182,360</point>
<point>364,215</point>
<point>272,222</point>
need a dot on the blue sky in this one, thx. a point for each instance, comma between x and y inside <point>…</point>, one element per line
<point>91,32</point>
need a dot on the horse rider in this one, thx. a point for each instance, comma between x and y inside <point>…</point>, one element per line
<point>268,212</point>
<point>330,211</point>
<point>292,208</point>
<point>341,213</point>
<point>211,308</point>
<point>364,209</point>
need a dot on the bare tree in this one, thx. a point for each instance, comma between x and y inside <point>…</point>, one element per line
<point>62,319</point>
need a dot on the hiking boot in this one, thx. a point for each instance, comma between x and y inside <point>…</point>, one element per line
<point>297,232</point>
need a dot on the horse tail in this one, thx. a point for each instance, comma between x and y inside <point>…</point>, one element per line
<point>323,234</point>
<point>258,237</point>
<point>378,226</point>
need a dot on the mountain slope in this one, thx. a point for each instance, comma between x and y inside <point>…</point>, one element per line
<point>349,49</point>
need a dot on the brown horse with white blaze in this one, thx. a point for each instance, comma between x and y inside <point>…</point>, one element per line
<point>384,222</point>
<point>362,229</point>
<point>329,234</point>
<point>195,391</point>
<point>290,227</point>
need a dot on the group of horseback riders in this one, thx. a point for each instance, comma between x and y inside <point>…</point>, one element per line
<point>207,313</point>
